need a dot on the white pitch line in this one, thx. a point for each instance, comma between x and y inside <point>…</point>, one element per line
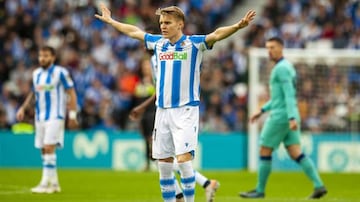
<point>9,189</point>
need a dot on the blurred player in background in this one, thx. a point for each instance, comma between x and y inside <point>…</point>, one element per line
<point>177,91</point>
<point>51,86</point>
<point>143,90</point>
<point>283,124</point>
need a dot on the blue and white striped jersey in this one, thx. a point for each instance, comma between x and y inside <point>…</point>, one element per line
<point>153,67</point>
<point>49,86</point>
<point>177,69</point>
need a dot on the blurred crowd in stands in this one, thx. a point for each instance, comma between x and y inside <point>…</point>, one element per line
<point>306,23</point>
<point>111,71</point>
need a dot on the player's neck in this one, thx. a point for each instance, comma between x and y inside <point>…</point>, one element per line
<point>175,38</point>
<point>48,67</point>
<point>279,59</point>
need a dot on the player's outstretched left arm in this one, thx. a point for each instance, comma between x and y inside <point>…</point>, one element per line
<point>129,30</point>
<point>224,32</point>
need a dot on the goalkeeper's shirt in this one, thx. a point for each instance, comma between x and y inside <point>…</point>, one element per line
<point>282,104</point>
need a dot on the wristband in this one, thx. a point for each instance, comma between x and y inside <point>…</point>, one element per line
<point>72,114</point>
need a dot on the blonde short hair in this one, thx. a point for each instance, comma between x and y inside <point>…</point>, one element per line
<point>172,10</point>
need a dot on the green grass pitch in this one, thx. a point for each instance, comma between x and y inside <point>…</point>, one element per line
<point>116,186</point>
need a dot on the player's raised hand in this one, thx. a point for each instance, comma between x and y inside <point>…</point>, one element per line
<point>250,15</point>
<point>136,113</point>
<point>105,14</point>
<point>255,117</point>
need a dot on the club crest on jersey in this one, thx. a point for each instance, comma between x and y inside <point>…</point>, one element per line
<point>173,56</point>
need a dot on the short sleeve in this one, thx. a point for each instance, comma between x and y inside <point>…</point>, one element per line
<point>153,68</point>
<point>150,40</point>
<point>65,79</point>
<point>199,42</point>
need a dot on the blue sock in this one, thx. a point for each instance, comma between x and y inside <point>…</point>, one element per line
<point>264,172</point>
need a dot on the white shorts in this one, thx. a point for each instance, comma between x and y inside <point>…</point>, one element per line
<point>49,133</point>
<point>175,131</point>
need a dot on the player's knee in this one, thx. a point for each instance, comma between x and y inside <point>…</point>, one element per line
<point>184,157</point>
<point>299,158</point>
<point>48,149</point>
<point>295,152</point>
<point>265,151</point>
<point>167,160</point>
<point>42,151</point>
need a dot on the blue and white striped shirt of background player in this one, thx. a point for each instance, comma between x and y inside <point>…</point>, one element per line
<point>177,69</point>
<point>49,86</point>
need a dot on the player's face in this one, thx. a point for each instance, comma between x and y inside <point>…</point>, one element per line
<point>274,50</point>
<point>171,27</point>
<point>46,58</point>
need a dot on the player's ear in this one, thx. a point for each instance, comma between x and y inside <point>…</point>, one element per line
<point>181,25</point>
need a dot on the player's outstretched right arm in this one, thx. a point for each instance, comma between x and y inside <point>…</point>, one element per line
<point>21,111</point>
<point>224,32</point>
<point>130,30</point>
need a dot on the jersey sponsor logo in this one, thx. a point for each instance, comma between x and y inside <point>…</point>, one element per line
<point>44,87</point>
<point>173,55</point>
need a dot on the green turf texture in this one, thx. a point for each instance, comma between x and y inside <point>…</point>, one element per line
<point>118,186</point>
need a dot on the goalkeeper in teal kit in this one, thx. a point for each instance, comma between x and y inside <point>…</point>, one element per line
<point>283,124</point>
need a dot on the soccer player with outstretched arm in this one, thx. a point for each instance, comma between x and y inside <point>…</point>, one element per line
<point>283,123</point>
<point>210,185</point>
<point>178,57</point>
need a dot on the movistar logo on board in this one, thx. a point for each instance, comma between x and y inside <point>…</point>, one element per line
<point>85,146</point>
<point>173,55</point>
